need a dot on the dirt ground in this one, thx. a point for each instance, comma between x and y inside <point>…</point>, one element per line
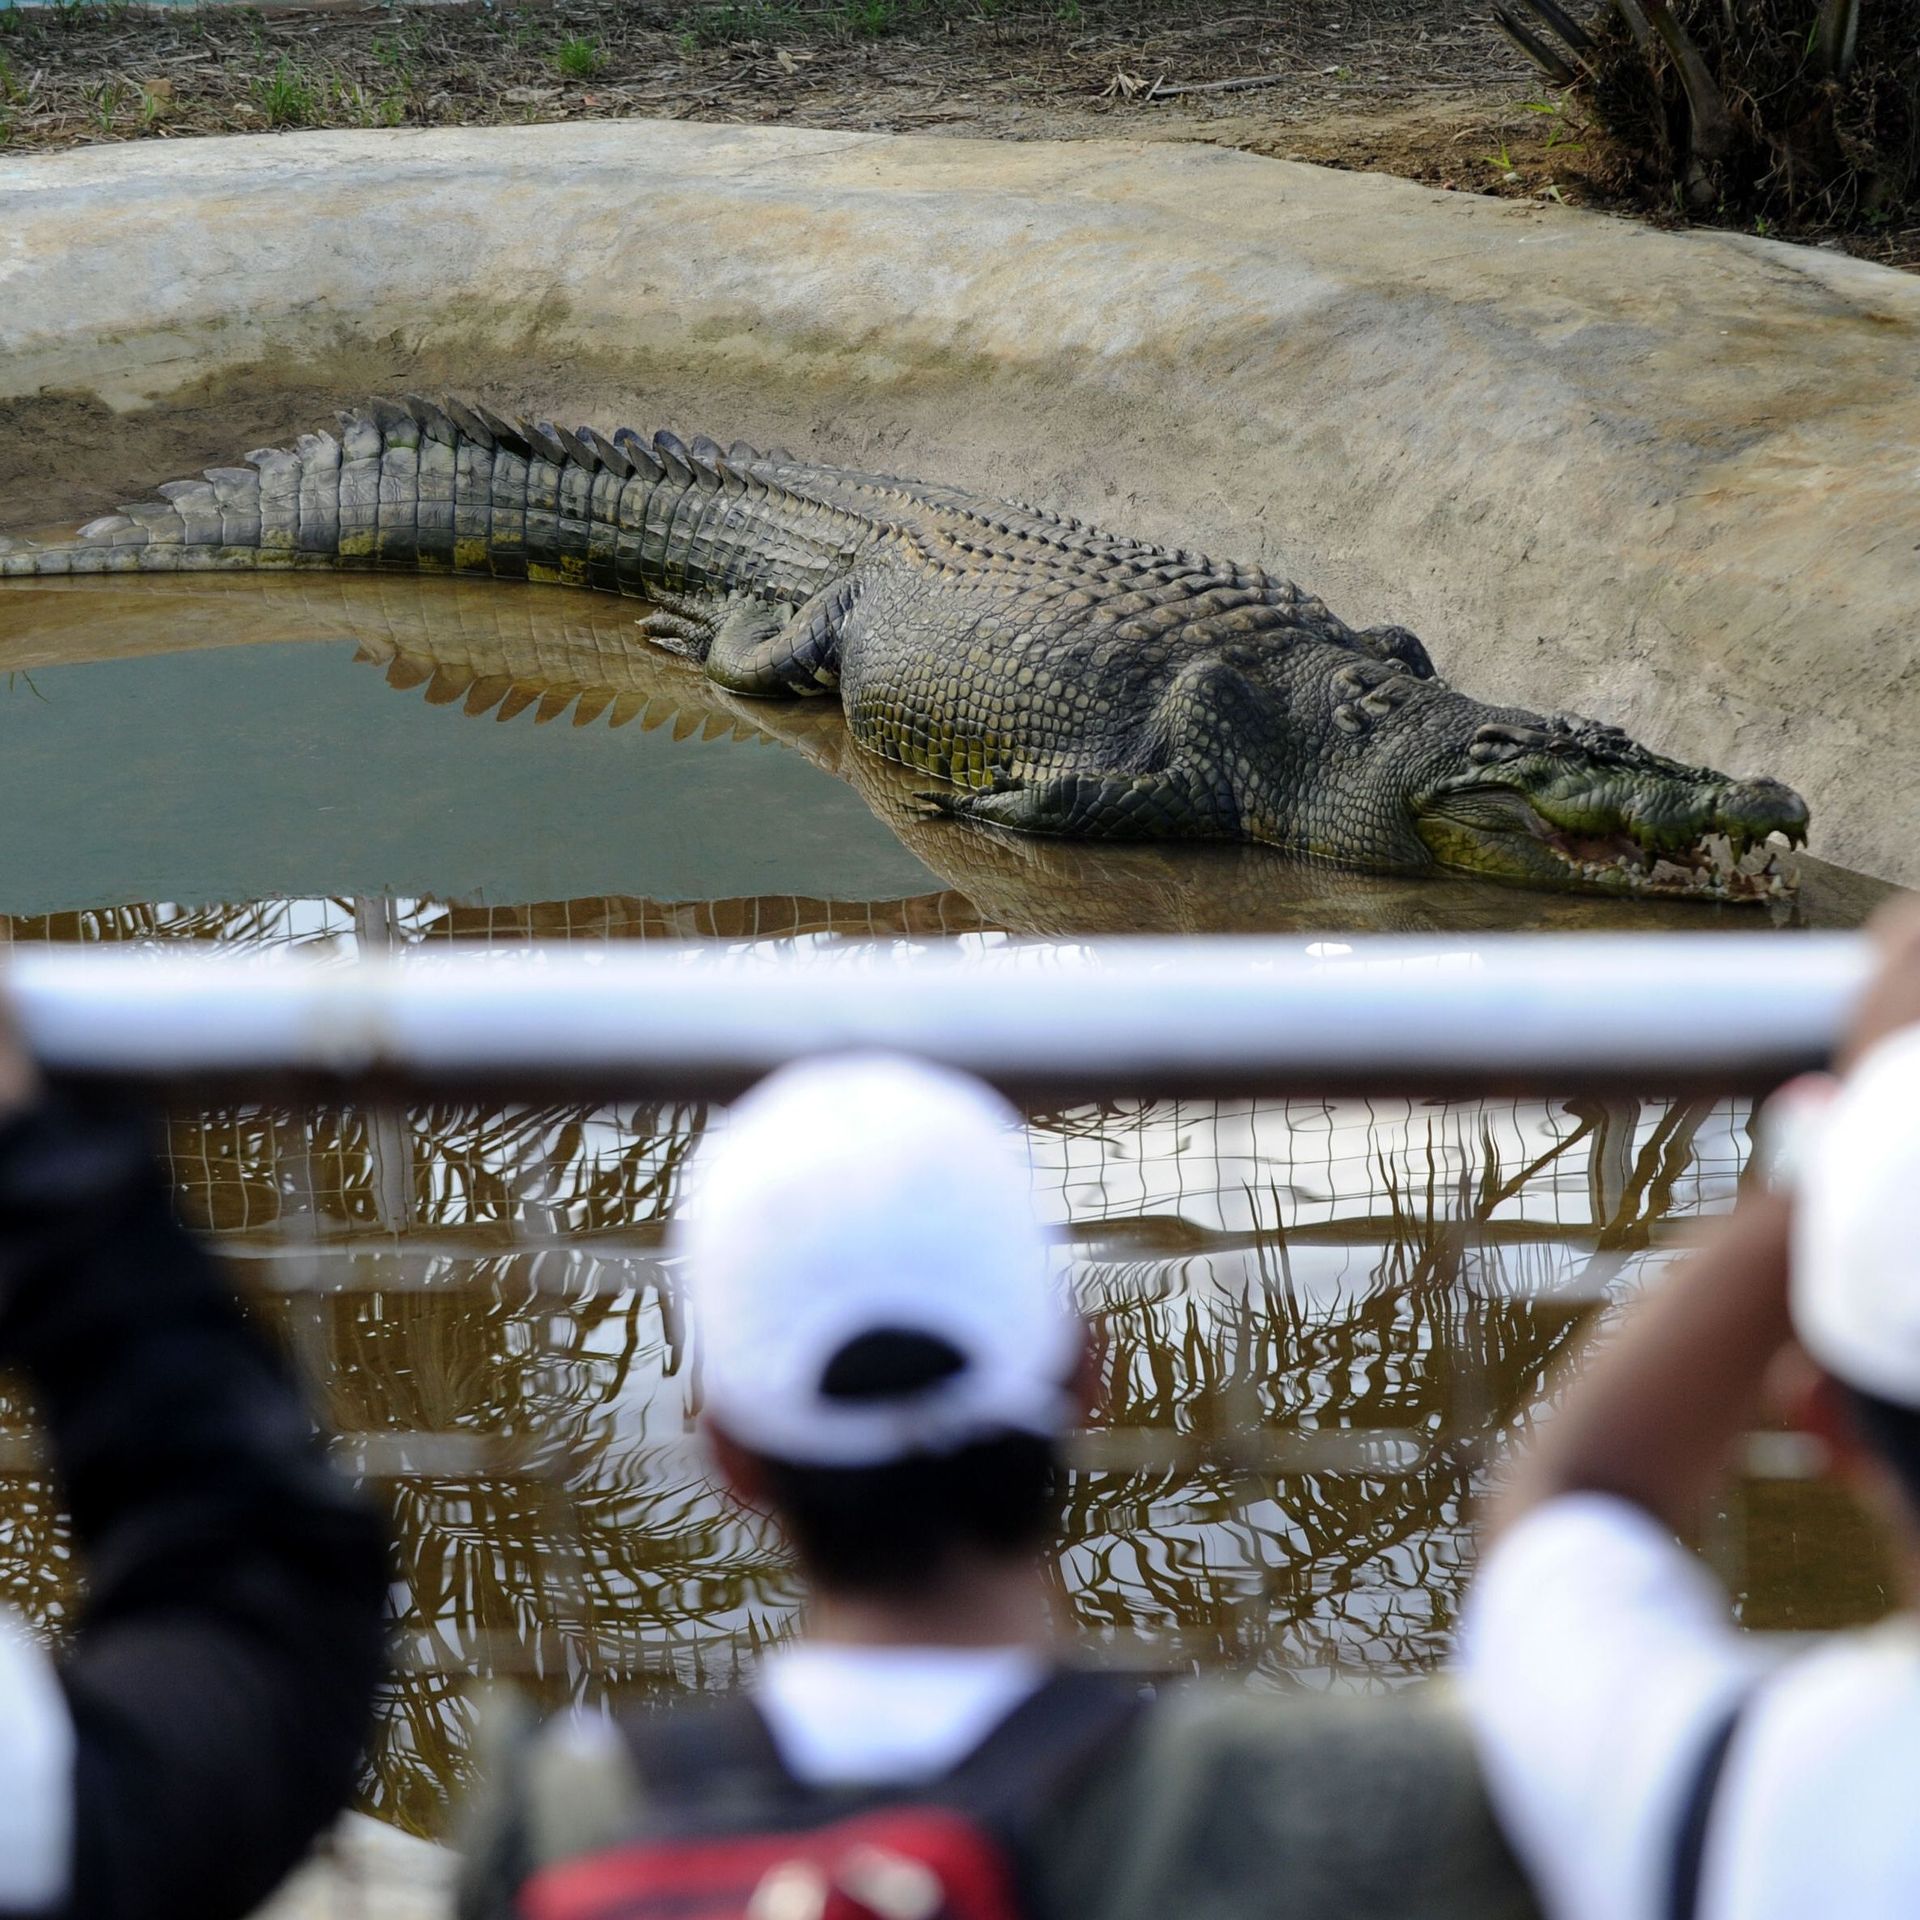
<point>1426,89</point>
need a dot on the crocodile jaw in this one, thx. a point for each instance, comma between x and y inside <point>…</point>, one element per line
<point>1717,866</point>
<point>1500,835</point>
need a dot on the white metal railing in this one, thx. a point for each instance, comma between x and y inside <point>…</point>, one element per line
<point>1444,1014</point>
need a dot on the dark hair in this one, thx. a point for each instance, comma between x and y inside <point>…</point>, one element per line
<point>893,1528</point>
<point>1892,1433</point>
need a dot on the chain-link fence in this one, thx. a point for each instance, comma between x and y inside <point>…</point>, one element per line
<point>1317,1318</point>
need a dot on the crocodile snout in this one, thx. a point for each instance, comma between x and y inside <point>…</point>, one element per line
<point>1756,808</point>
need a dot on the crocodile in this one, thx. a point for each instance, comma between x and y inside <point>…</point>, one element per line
<point>568,661</point>
<point>1061,679</point>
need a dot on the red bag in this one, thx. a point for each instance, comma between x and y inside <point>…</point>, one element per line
<point>732,1836</point>
<point>912,1863</point>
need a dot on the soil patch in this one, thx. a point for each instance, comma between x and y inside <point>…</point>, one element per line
<point>1420,88</point>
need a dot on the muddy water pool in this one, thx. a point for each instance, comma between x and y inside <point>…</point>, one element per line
<point>1318,1316</point>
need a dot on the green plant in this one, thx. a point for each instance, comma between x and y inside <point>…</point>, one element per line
<point>357,107</point>
<point>869,19</point>
<point>578,59</point>
<point>524,27</point>
<point>725,25</point>
<point>288,97</point>
<point>1798,111</point>
<point>395,51</point>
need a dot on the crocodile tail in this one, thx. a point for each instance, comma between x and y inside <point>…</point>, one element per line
<point>445,487</point>
<point>384,492</point>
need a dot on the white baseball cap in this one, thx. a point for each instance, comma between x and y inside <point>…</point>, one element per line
<point>864,1194</point>
<point>1856,1233</point>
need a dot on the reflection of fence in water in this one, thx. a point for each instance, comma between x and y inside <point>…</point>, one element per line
<point>481,1290</point>
<point>1396,1269</point>
<point>371,924</point>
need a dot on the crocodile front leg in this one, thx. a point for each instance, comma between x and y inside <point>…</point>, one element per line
<point>753,648</point>
<point>683,623</point>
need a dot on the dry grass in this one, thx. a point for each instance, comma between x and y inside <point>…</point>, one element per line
<point>1426,89</point>
<point>1006,68</point>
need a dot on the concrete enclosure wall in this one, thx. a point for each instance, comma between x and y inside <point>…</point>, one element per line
<point>1670,480</point>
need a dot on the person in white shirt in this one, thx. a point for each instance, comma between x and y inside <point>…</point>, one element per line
<point>871,1284</point>
<point>1648,1760</point>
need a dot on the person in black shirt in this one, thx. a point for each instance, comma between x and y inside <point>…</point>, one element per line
<point>207,1718</point>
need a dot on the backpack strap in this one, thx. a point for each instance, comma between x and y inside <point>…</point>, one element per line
<point>1044,1747</point>
<point>1696,1813</point>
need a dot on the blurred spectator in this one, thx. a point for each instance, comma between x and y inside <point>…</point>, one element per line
<point>889,1371</point>
<point>1651,1762</point>
<point>206,1719</point>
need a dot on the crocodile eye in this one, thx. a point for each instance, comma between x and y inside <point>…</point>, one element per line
<point>1401,647</point>
<point>1581,731</point>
